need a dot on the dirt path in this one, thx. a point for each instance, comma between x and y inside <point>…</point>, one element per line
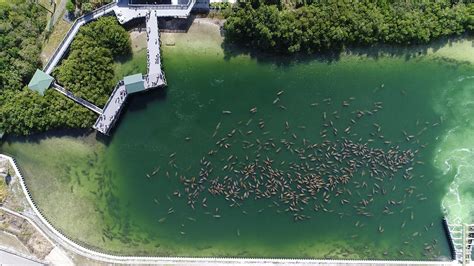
<point>60,8</point>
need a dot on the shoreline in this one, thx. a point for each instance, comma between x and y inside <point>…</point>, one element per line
<point>177,37</point>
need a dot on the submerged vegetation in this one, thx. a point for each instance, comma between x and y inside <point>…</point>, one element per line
<point>320,26</point>
<point>88,71</point>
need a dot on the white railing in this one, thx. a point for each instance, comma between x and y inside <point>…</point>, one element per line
<point>53,60</point>
<point>162,6</point>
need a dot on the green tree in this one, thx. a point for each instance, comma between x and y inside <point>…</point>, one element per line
<point>70,6</point>
<point>307,26</point>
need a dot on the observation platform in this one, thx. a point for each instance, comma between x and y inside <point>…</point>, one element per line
<point>125,11</point>
<point>112,109</point>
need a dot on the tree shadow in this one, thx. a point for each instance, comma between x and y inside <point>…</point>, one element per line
<point>376,51</point>
<point>124,58</point>
<point>141,100</point>
<point>38,137</point>
<point>135,102</point>
<point>169,24</point>
<point>8,179</point>
<point>178,25</point>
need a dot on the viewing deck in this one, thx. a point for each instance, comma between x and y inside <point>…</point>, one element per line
<point>126,12</point>
<point>112,109</point>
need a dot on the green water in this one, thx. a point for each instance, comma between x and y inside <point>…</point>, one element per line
<point>97,190</point>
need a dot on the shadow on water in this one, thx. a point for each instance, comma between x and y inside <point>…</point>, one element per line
<point>179,25</point>
<point>232,50</point>
<point>38,137</point>
<point>135,102</point>
<point>140,101</point>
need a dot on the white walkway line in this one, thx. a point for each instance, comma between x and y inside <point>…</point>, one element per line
<point>78,100</point>
<point>66,42</point>
<point>21,255</point>
<point>76,248</point>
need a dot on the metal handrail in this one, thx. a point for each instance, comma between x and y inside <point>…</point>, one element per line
<point>76,22</point>
<point>162,6</point>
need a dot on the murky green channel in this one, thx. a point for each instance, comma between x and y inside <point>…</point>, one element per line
<point>99,192</point>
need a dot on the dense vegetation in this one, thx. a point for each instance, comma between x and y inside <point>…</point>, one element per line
<point>319,26</point>
<point>80,7</point>
<point>21,25</point>
<point>88,70</point>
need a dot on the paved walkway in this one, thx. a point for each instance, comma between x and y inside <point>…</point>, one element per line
<point>9,257</point>
<point>60,8</point>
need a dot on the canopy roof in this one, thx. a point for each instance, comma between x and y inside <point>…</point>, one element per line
<point>134,83</point>
<point>40,81</point>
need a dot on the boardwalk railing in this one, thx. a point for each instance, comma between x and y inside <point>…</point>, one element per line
<point>116,112</point>
<point>163,6</point>
<point>53,60</point>
<point>78,100</point>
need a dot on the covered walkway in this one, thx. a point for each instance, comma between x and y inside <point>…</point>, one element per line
<point>78,100</point>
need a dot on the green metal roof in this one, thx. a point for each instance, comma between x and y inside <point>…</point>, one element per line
<point>40,81</point>
<point>134,83</point>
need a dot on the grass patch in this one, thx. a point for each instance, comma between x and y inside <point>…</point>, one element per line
<point>3,190</point>
<point>129,65</point>
<point>53,40</point>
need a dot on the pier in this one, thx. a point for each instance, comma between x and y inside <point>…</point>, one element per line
<point>112,109</point>
<point>155,77</point>
<point>124,11</point>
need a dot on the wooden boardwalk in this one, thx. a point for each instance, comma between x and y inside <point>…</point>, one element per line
<point>67,40</point>
<point>155,77</point>
<point>78,100</point>
<point>112,109</point>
